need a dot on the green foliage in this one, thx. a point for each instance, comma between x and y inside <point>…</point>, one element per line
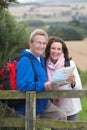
<point>55,30</point>
<point>81,27</point>
<point>74,23</point>
<point>71,33</point>
<point>66,32</point>
<point>20,41</point>
<point>5,3</point>
<point>74,30</point>
<point>7,25</point>
<point>13,37</point>
<point>82,114</point>
<point>83,76</point>
<point>36,23</point>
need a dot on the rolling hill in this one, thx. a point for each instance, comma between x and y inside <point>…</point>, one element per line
<point>50,12</point>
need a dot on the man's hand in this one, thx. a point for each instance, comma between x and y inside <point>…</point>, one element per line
<point>49,86</point>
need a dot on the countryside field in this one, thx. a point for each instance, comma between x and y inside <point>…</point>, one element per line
<point>78,52</point>
<point>50,13</point>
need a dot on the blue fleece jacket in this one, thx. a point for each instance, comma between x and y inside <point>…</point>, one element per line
<point>26,82</point>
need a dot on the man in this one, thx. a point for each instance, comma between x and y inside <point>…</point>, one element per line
<point>26,74</point>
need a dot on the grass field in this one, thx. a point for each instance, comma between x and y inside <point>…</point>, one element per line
<point>83,113</point>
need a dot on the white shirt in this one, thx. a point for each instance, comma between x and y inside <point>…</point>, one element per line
<point>71,105</point>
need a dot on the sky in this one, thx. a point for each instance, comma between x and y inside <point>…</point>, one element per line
<point>24,1</point>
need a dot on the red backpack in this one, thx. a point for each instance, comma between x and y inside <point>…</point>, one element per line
<point>8,78</point>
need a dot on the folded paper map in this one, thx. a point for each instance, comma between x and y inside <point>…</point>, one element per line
<point>60,76</point>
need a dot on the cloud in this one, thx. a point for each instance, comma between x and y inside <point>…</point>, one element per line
<point>23,1</point>
<point>26,1</point>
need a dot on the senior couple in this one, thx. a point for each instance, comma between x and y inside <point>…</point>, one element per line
<point>56,53</point>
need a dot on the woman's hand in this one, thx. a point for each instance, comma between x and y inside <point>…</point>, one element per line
<point>71,79</point>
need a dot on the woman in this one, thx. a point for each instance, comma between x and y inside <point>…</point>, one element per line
<point>55,56</point>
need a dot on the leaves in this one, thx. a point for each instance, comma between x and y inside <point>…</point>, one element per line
<point>13,36</point>
<point>5,3</point>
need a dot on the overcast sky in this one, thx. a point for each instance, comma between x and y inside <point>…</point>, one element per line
<point>24,1</point>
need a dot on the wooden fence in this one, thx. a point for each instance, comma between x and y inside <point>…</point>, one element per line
<point>29,122</point>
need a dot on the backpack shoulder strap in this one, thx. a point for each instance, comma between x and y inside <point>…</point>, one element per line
<point>67,63</point>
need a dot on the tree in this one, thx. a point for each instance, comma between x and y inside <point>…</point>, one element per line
<point>13,36</point>
<point>66,32</point>
<point>71,33</point>
<point>5,3</point>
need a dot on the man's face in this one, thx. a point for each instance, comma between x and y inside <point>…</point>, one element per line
<point>38,46</point>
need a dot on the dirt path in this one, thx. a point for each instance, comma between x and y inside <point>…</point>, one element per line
<point>78,51</point>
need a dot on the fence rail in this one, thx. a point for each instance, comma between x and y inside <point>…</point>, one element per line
<point>29,122</point>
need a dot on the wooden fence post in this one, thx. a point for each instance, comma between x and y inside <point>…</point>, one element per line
<point>30,116</point>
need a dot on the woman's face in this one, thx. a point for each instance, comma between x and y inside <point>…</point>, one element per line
<point>55,51</point>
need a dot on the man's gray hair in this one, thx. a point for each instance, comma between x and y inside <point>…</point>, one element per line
<point>38,32</point>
